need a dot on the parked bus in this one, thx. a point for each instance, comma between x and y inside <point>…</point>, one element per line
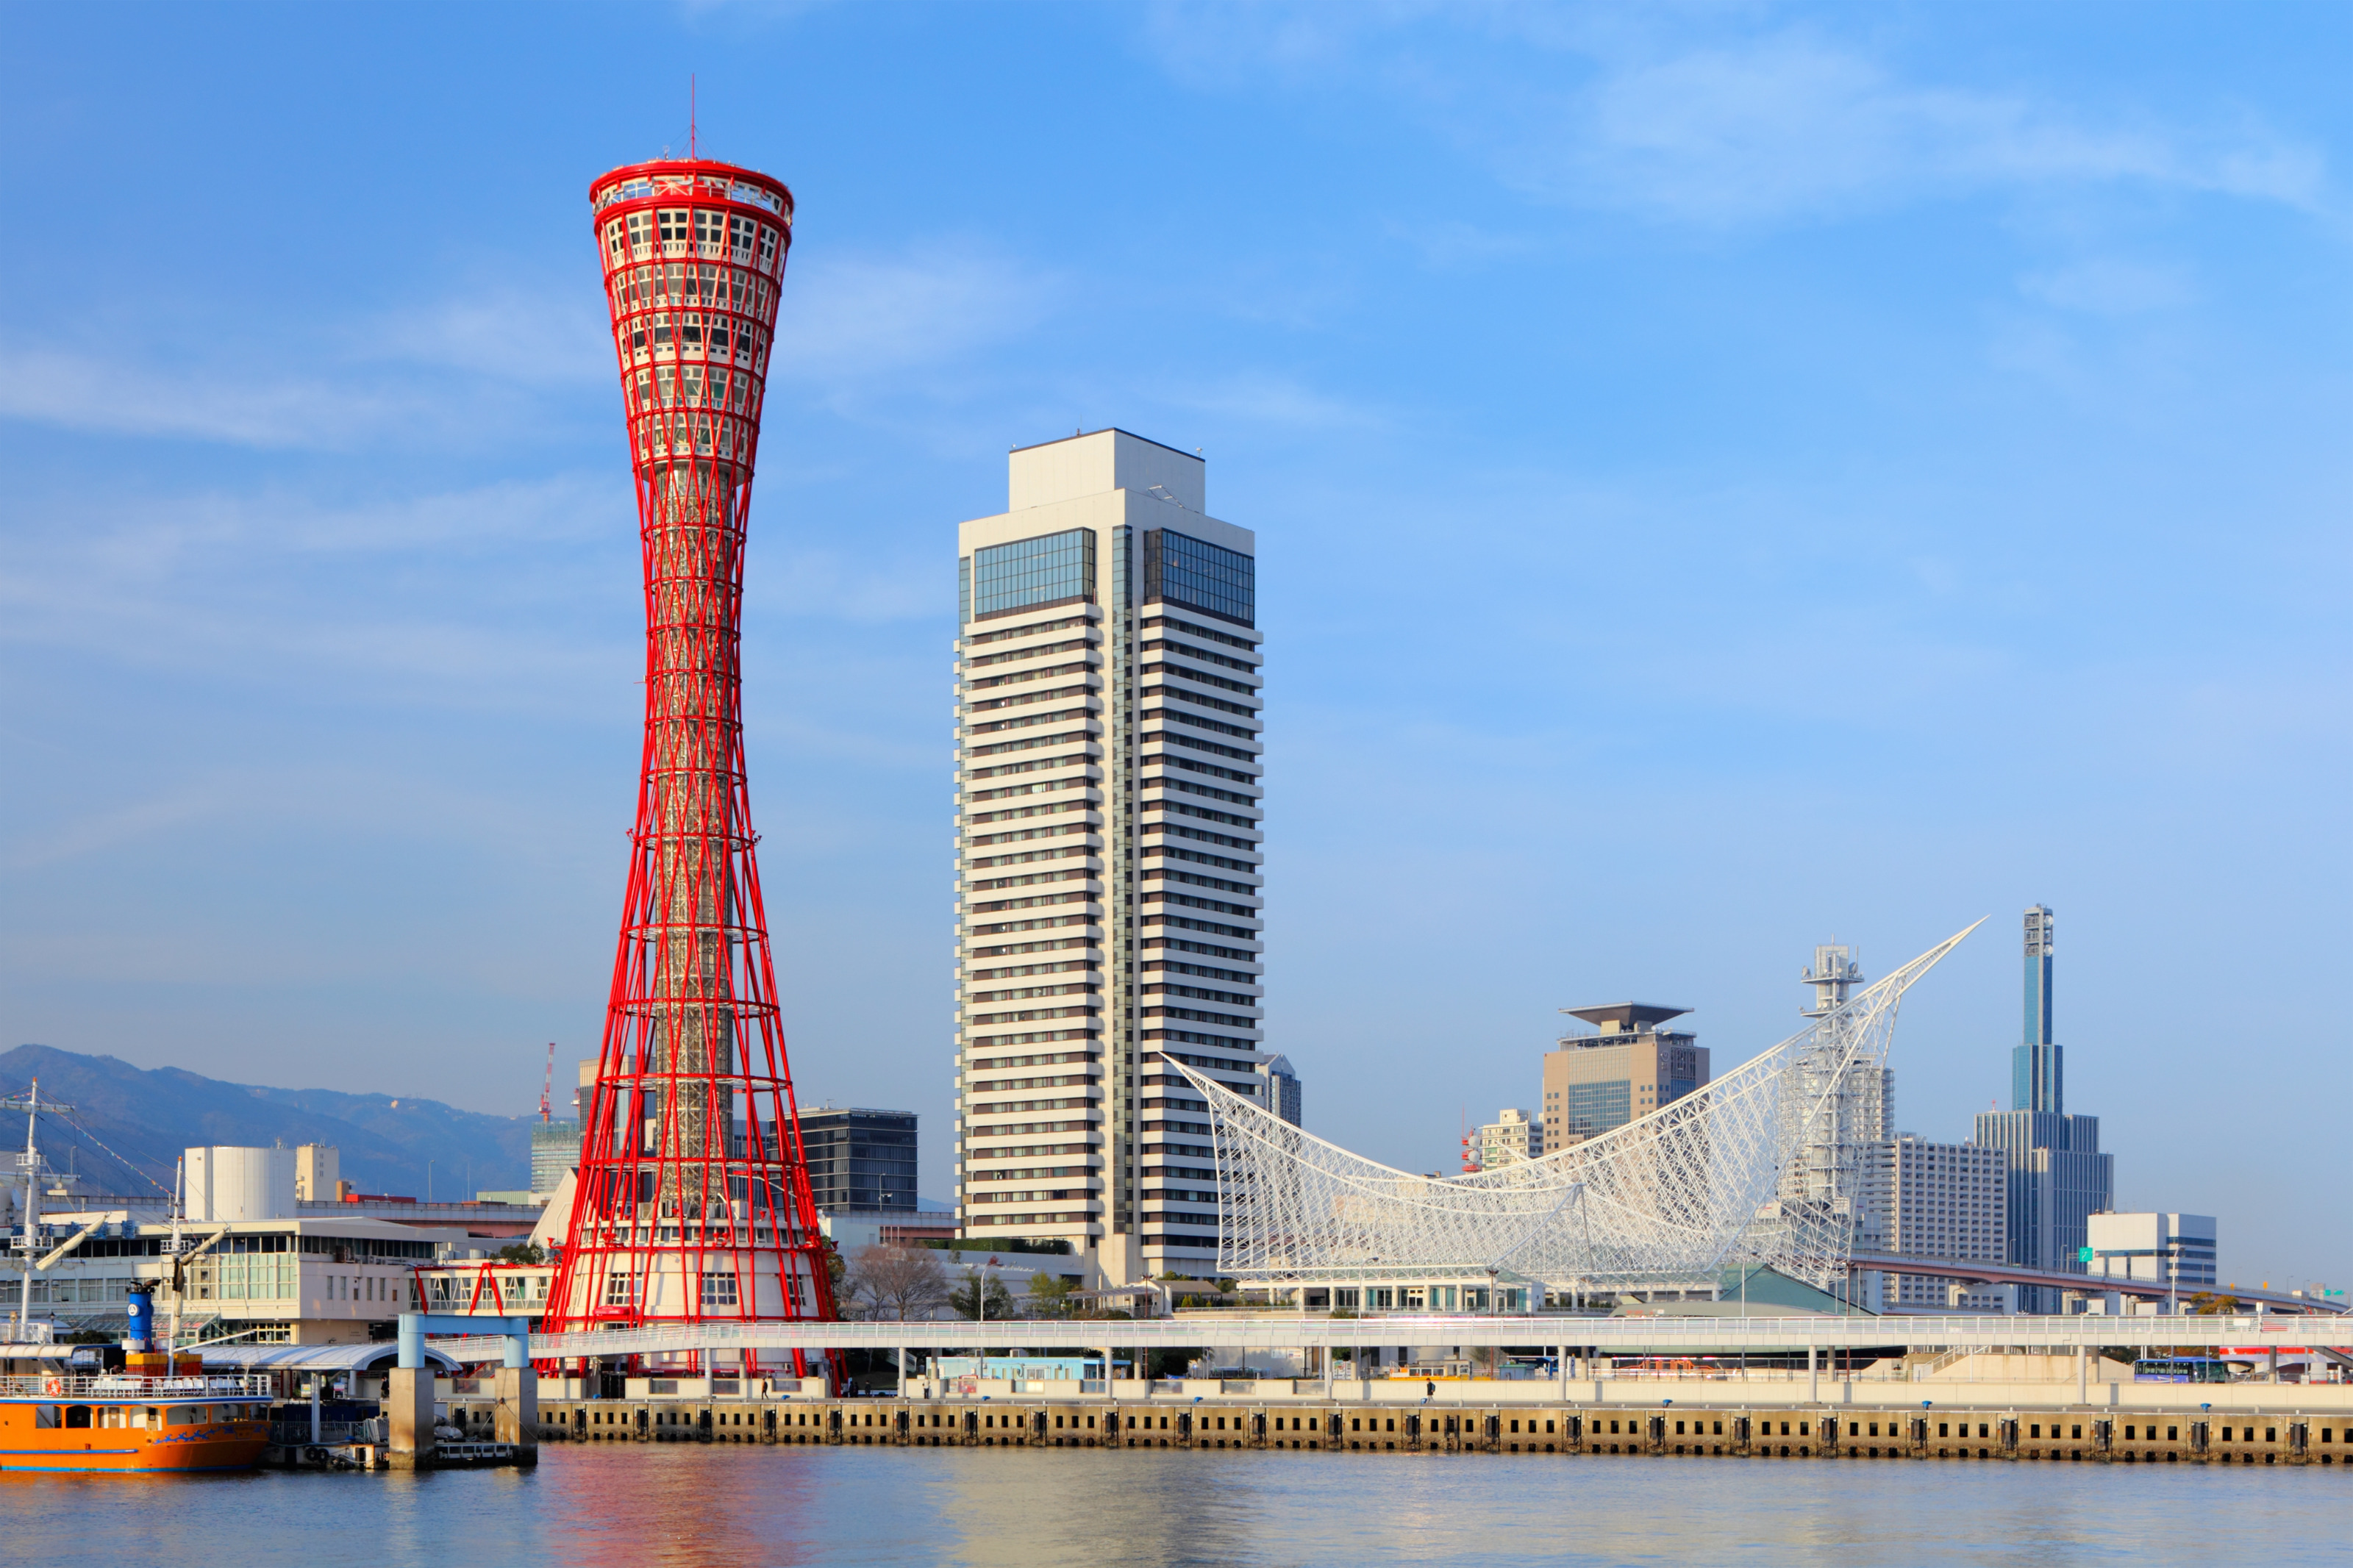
<point>2182,1369</point>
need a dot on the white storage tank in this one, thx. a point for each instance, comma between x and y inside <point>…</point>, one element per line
<point>226,1183</point>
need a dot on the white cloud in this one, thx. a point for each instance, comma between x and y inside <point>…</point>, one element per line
<point>80,390</point>
<point>538,337</point>
<point>103,830</point>
<point>463,592</point>
<point>2111,286</point>
<point>187,531</point>
<point>1790,125</point>
<point>488,362</point>
<point>1694,118</point>
<point>848,319</point>
<point>1268,399</point>
<point>831,585</point>
<point>1452,245</point>
<point>450,369</point>
<point>1227,46</point>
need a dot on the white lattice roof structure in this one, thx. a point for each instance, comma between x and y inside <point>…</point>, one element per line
<point>1762,1164</point>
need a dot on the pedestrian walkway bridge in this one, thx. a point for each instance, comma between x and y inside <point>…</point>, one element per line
<point>1241,1332</point>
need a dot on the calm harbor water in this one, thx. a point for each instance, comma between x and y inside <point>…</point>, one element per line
<point>693,1505</point>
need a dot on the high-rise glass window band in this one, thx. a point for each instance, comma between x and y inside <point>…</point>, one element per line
<point>1030,573</point>
<point>1596,1108</point>
<point>1182,570</point>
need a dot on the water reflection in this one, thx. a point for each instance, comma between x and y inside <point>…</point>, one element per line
<point>684,1506</point>
<point>630,1504</point>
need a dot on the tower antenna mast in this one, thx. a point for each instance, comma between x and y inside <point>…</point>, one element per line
<point>548,1083</point>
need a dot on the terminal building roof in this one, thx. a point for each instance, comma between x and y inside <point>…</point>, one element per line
<point>374,1356</point>
<point>1620,1017</point>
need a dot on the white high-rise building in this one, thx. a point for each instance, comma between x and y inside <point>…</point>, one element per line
<point>1938,1200</point>
<point>1107,839</point>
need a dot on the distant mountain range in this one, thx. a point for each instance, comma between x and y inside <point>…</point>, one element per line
<point>147,1116</point>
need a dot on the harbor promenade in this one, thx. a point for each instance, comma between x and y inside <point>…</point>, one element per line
<point>2285,1428</point>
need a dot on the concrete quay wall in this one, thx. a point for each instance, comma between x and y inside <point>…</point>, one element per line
<point>2282,1433</point>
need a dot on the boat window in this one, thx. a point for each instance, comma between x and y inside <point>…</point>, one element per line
<point>183,1416</point>
<point>44,1415</point>
<point>77,1414</point>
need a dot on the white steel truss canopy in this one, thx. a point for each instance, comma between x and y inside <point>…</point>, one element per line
<point>1762,1164</point>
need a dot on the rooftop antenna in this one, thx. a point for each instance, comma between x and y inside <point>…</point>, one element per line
<point>690,140</point>
<point>548,1083</point>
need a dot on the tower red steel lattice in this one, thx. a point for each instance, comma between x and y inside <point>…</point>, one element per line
<point>692,1201</point>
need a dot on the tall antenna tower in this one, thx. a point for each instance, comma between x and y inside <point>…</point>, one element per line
<point>1855,1110</point>
<point>692,1199</point>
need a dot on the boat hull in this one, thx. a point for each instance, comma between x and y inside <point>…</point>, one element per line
<point>36,1439</point>
<point>236,1447</point>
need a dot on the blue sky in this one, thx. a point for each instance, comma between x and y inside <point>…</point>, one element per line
<point>1728,478</point>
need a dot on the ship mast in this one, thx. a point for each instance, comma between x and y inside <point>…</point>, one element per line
<point>29,1161</point>
<point>32,1164</point>
<point>179,1186</point>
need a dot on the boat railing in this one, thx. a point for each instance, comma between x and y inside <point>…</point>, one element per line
<point>297,1433</point>
<point>123,1386</point>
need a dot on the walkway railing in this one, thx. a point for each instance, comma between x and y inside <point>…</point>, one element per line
<point>296,1433</point>
<point>1604,1336</point>
<point>116,1386</point>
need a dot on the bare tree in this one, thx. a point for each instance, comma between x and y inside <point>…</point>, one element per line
<point>893,1281</point>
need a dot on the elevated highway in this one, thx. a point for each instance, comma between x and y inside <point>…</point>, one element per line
<point>2088,1284</point>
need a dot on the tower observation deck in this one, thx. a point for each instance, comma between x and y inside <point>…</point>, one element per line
<point>692,1201</point>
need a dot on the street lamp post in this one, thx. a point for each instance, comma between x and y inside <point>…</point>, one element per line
<point>980,1293</point>
<point>1494,1310</point>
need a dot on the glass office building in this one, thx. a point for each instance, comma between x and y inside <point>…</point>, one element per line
<point>860,1159</point>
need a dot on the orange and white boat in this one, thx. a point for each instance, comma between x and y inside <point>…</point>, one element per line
<point>160,1411</point>
<point>130,1422</point>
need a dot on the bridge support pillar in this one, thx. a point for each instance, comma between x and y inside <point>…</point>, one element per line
<point>408,1407</point>
<point>517,1421</point>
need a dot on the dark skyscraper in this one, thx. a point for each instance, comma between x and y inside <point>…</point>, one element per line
<point>2037,1072</point>
<point>860,1159</point>
<point>2058,1177</point>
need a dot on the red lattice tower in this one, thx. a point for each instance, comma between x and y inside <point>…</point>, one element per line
<point>692,1201</point>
